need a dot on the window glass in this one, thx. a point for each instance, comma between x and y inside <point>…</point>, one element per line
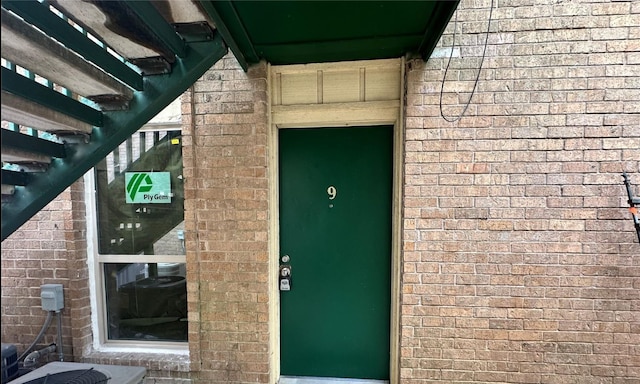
<point>141,196</point>
<point>140,238</point>
<point>146,301</point>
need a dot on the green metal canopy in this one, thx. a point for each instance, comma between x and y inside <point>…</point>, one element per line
<point>79,77</point>
<point>296,32</point>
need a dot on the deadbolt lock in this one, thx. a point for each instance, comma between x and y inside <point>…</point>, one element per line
<point>285,277</point>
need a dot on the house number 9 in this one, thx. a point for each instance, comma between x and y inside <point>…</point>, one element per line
<point>331,191</point>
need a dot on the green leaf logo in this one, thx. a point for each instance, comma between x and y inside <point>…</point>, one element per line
<point>134,186</point>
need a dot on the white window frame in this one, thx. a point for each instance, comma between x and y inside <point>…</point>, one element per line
<point>95,262</point>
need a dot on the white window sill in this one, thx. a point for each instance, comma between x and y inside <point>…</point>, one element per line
<point>157,359</point>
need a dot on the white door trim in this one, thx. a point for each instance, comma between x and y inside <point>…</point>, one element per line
<point>378,89</point>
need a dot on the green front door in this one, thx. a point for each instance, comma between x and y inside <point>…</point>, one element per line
<point>335,226</point>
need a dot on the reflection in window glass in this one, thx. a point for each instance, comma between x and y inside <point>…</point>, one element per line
<point>140,196</point>
<point>140,209</point>
<point>146,301</point>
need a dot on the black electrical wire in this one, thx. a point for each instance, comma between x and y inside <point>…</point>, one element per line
<point>475,84</point>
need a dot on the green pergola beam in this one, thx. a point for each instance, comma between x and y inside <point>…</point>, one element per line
<point>159,92</point>
<point>39,15</point>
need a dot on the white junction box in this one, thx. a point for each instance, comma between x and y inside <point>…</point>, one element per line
<point>52,297</point>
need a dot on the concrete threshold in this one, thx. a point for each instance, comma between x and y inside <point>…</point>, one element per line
<point>327,380</point>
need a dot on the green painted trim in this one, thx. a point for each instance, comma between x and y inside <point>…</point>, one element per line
<point>157,25</point>
<point>288,32</point>
<point>388,47</point>
<point>238,40</point>
<point>28,89</point>
<point>439,19</point>
<point>15,178</point>
<point>159,92</point>
<point>29,143</point>
<point>40,16</point>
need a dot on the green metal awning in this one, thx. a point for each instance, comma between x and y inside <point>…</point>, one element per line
<point>298,32</point>
<point>79,77</point>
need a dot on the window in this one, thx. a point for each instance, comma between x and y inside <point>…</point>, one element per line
<point>138,248</point>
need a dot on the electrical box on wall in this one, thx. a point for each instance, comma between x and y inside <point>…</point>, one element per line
<point>52,298</point>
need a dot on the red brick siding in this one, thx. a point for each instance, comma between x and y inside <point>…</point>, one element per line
<point>48,249</point>
<point>521,263</point>
<point>226,221</point>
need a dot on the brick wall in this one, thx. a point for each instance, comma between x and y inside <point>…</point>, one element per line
<point>48,249</point>
<point>226,223</point>
<point>521,261</point>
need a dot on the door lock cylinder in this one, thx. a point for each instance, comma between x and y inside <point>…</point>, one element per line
<point>285,277</point>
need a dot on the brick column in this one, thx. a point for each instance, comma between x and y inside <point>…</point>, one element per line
<point>226,218</point>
